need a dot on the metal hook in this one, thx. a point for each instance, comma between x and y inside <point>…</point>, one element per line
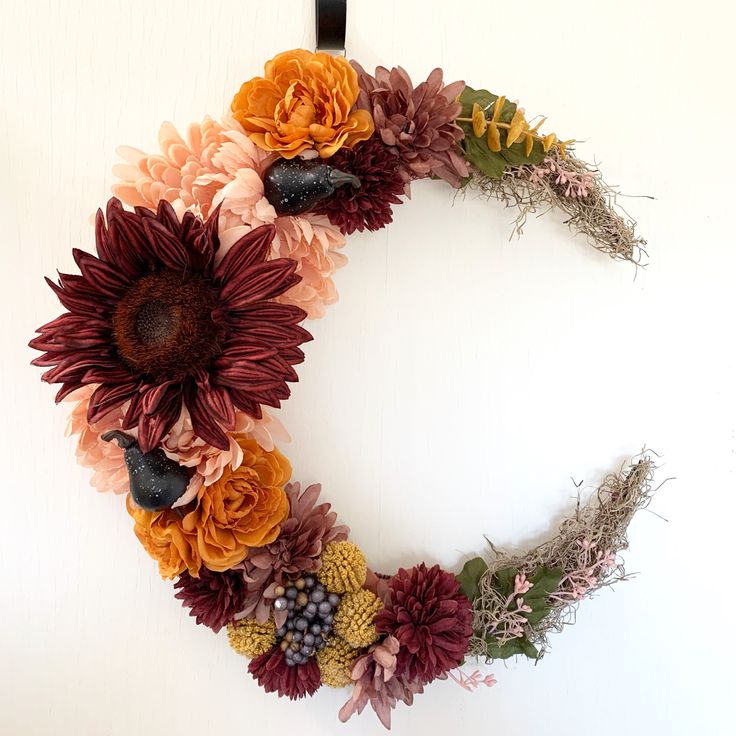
<point>331,22</point>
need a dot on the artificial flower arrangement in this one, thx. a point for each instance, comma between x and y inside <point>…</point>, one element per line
<point>184,330</point>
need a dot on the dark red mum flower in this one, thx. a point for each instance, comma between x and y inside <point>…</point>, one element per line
<point>156,322</point>
<point>214,597</point>
<point>381,183</point>
<point>275,676</point>
<point>429,615</point>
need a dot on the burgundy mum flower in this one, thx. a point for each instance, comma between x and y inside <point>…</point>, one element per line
<point>431,618</point>
<point>156,322</point>
<point>275,676</point>
<point>369,206</point>
<point>296,552</point>
<point>418,123</point>
<point>213,598</point>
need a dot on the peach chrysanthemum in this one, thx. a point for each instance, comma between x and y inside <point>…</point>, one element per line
<point>218,164</point>
<point>108,462</point>
<point>183,445</point>
<point>174,174</point>
<point>105,458</point>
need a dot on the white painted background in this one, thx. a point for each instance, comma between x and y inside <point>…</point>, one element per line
<point>454,390</point>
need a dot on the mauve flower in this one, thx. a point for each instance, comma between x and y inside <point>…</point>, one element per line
<point>377,683</point>
<point>154,321</point>
<point>432,620</point>
<point>213,598</point>
<point>417,123</point>
<point>275,676</point>
<point>369,206</point>
<point>305,533</point>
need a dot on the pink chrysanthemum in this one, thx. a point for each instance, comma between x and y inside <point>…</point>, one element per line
<point>218,164</point>
<point>107,459</point>
<point>309,528</point>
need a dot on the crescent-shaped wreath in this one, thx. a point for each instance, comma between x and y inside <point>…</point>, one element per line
<point>189,321</point>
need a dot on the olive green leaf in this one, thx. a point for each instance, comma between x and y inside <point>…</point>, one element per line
<point>470,575</point>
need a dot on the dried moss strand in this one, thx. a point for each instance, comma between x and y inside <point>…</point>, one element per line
<point>598,215</point>
<point>603,523</point>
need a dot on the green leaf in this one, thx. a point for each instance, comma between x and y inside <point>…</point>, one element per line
<point>505,579</point>
<point>476,149</point>
<point>470,575</point>
<point>485,99</point>
<point>516,155</point>
<point>477,153</point>
<point>513,647</point>
<point>546,580</point>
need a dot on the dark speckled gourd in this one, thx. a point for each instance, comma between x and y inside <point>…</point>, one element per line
<point>155,480</point>
<point>295,185</point>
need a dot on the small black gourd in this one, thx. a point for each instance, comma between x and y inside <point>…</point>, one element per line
<point>156,481</point>
<point>296,185</point>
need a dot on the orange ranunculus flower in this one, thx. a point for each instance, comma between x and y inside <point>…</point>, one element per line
<point>303,101</point>
<point>244,508</point>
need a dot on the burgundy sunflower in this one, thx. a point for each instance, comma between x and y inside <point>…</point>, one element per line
<point>157,322</point>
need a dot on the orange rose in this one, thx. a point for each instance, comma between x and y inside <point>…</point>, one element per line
<point>245,508</point>
<point>305,100</point>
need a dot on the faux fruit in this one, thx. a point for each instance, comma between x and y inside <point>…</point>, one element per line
<point>296,185</point>
<point>155,480</point>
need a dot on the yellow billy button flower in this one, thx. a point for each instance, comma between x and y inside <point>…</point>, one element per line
<point>343,567</point>
<point>335,662</point>
<point>250,638</point>
<point>355,617</point>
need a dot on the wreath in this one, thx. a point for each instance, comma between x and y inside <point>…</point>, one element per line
<point>184,331</point>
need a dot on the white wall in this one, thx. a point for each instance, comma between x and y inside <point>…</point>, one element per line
<point>453,392</point>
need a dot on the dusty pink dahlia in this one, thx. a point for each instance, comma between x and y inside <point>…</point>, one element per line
<point>309,527</point>
<point>377,683</point>
<point>431,618</point>
<point>275,676</point>
<point>417,123</point>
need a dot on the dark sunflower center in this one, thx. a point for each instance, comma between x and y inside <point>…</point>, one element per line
<point>164,325</point>
<point>155,322</point>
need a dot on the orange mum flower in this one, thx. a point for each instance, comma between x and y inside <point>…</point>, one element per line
<point>304,101</point>
<point>244,508</point>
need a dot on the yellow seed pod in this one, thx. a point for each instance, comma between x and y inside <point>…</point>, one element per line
<point>548,141</point>
<point>479,121</point>
<point>498,108</point>
<point>355,617</point>
<point>335,662</point>
<point>343,567</point>
<point>516,128</point>
<point>529,144</point>
<point>494,138</point>
<point>250,638</point>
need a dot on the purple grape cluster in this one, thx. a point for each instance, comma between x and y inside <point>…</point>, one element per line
<point>310,613</point>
